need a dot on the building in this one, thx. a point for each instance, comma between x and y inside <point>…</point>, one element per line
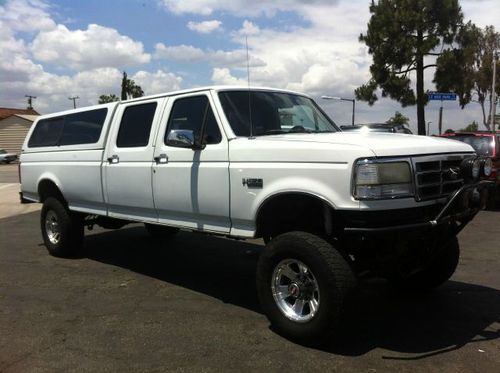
<point>14,125</point>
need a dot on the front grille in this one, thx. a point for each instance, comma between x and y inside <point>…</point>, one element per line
<point>436,177</point>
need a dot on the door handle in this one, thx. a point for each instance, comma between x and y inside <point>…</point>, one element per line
<point>162,158</point>
<point>114,159</point>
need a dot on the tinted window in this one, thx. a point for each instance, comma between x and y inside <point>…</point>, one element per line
<point>79,128</point>
<point>83,128</point>
<point>195,113</point>
<point>47,132</point>
<point>135,125</point>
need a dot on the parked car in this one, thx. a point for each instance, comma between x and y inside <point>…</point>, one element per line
<point>6,157</point>
<point>485,144</point>
<point>377,127</point>
<point>260,163</point>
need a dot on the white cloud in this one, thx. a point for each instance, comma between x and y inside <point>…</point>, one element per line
<point>97,46</point>
<point>482,12</point>
<point>205,27</point>
<point>238,7</point>
<point>183,53</point>
<point>222,76</point>
<point>188,53</point>
<point>22,76</point>
<point>98,52</point>
<point>249,28</point>
<point>157,82</point>
<point>318,53</point>
<point>26,15</point>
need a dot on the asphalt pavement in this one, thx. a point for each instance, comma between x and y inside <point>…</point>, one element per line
<point>129,303</point>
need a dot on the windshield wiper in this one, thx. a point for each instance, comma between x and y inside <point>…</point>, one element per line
<point>272,132</point>
<point>298,129</point>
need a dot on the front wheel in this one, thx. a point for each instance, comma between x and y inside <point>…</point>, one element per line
<point>302,282</point>
<point>62,230</point>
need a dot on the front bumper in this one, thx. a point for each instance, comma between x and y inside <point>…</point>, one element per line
<point>461,207</point>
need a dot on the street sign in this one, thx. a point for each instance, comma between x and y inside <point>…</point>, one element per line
<point>442,96</point>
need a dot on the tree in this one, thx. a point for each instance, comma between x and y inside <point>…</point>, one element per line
<point>402,36</point>
<point>130,89</point>
<point>398,119</point>
<point>468,69</point>
<point>471,127</point>
<point>104,99</point>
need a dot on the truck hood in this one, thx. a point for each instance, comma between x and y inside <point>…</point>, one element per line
<point>381,144</point>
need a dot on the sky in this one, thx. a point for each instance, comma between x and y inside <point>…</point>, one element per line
<point>57,49</point>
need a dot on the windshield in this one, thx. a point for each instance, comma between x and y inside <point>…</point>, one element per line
<point>3,151</point>
<point>483,145</point>
<point>273,113</point>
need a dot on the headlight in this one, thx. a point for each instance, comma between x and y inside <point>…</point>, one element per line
<point>471,168</point>
<point>486,166</point>
<point>374,180</point>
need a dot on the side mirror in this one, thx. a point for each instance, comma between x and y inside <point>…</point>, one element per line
<point>181,138</point>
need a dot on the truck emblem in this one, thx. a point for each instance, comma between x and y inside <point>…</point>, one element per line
<point>252,183</point>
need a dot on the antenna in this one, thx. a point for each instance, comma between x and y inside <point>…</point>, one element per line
<point>249,93</point>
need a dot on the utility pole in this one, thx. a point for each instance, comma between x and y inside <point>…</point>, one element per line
<point>74,98</point>
<point>30,101</point>
<point>440,124</point>
<point>493,93</point>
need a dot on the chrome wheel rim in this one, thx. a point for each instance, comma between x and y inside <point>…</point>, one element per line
<point>295,290</point>
<point>52,228</point>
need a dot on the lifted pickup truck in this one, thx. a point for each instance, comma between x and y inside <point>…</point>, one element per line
<point>250,163</point>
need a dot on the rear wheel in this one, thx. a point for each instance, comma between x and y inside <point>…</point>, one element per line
<point>160,231</point>
<point>62,230</point>
<point>302,282</point>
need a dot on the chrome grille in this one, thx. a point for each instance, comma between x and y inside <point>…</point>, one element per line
<point>433,178</point>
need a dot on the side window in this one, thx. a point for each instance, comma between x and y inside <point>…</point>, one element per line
<point>83,128</point>
<point>72,129</point>
<point>195,114</point>
<point>47,132</point>
<point>135,126</point>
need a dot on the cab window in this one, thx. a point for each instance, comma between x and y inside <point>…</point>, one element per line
<point>195,114</point>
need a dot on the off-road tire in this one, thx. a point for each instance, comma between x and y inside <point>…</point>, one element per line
<point>160,231</point>
<point>439,270</point>
<point>334,278</point>
<point>70,227</point>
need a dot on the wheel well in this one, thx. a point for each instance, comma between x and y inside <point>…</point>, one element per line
<point>47,188</point>
<point>294,212</point>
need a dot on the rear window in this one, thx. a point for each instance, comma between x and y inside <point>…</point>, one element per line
<point>72,129</point>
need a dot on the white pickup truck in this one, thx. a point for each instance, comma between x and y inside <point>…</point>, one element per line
<point>250,163</point>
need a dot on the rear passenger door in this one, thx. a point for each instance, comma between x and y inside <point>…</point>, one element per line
<point>129,159</point>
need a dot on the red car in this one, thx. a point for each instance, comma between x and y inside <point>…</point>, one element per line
<point>486,144</point>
